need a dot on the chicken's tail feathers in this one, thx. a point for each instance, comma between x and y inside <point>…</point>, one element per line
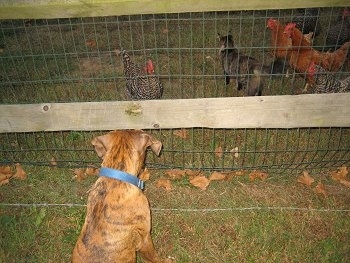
<point>345,84</point>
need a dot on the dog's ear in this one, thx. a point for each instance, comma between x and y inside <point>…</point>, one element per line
<point>153,143</point>
<point>100,145</point>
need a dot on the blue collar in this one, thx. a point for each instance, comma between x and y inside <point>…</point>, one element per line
<point>122,176</point>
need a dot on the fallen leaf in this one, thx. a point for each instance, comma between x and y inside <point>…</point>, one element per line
<point>216,176</point>
<point>345,182</point>
<point>164,183</point>
<point>218,151</point>
<point>5,170</point>
<point>321,189</point>
<point>182,133</point>
<point>175,173</point>
<point>257,175</point>
<point>340,174</point>
<point>53,162</point>
<point>239,173</point>
<point>79,174</point>
<point>193,173</point>
<point>305,179</point>
<point>92,171</point>
<point>200,181</point>
<point>5,177</point>
<point>91,43</point>
<point>144,176</point>
<point>5,181</point>
<point>20,173</point>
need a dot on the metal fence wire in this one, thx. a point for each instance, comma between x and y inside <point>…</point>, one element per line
<point>74,60</point>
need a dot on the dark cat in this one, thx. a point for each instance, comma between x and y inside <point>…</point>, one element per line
<point>245,70</point>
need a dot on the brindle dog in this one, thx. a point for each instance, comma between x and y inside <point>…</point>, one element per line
<point>118,220</point>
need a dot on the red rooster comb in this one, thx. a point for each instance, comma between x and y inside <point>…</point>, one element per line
<point>312,68</point>
<point>271,23</point>
<point>150,66</point>
<point>288,29</point>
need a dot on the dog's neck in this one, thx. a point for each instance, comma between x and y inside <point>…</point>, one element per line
<point>128,165</point>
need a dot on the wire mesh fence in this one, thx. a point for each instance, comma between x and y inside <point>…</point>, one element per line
<point>74,60</point>
<point>275,150</point>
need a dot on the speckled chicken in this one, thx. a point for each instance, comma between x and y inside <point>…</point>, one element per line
<point>306,20</point>
<point>323,81</point>
<point>141,83</point>
<point>339,33</point>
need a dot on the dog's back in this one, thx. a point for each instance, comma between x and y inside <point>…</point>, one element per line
<point>118,220</point>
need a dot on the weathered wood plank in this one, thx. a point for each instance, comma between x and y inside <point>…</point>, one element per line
<point>36,9</point>
<point>315,110</point>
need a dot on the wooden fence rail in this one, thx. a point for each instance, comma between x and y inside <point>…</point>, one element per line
<point>36,9</point>
<point>314,110</point>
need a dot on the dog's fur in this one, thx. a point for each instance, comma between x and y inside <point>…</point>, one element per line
<point>245,70</point>
<point>118,220</point>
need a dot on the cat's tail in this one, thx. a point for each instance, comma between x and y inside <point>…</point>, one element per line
<point>255,84</point>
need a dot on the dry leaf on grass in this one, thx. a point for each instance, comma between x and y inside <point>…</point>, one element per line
<point>257,175</point>
<point>216,176</point>
<point>200,181</point>
<point>91,43</point>
<point>345,183</point>
<point>321,189</point>
<point>240,173</point>
<point>53,162</point>
<point>182,133</point>
<point>92,171</point>
<point>5,178</point>
<point>193,173</point>
<point>164,183</point>
<point>5,170</point>
<point>175,173</point>
<point>218,151</point>
<point>79,174</point>
<point>144,176</point>
<point>20,173</point>
<point>5,181</point>
<point>305,179</point>
<point>340,174</point>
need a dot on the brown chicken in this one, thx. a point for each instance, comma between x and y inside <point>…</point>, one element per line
<point>280,44</point>
<point>302,54</point>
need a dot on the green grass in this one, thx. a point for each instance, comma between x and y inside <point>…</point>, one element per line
<point>51,60</point>
<point>273,233</point>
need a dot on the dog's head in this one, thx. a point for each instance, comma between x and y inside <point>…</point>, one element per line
<point>125,149</point>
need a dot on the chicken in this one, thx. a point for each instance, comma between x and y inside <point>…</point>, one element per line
<point>339,33</point>
<point>280,46</point>
<point>302,54</point>
<point>306,20</point>
<point>140,85</point>
<point>325,82</point>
